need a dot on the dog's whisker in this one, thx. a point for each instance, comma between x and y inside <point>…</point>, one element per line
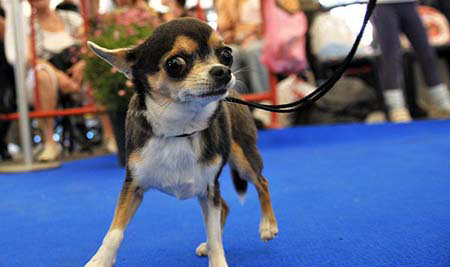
<point>241,70</point>
<point>242,87</point>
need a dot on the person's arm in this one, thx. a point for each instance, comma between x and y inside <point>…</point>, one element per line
<point>2,29</point>
<point>66,84</point>
<point>2,23</point>
<point>92,7</point>
<point>227,19</point>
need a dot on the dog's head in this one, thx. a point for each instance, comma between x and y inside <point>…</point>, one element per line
<point>184,60</point>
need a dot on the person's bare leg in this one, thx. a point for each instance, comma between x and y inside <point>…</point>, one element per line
<point>108,134</point>
<point>48,95</point>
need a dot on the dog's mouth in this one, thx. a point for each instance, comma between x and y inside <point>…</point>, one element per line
<point>207,92</point>
<point>218,92</point>
<point>206,95</point>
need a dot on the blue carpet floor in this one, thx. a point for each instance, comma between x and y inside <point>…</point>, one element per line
<point>344,196</point>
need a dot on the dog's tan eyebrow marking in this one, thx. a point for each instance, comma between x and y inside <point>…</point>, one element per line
<point>183,44</point>
<point>215,41</point>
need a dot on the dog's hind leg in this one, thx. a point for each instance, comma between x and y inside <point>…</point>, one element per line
<point>202,250</point>
<point>130,198</point>
<point>268,227</point>
<point>248,167</point>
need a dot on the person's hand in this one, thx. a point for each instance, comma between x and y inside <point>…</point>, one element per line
<point>76,71</point>
<point>66,84</point>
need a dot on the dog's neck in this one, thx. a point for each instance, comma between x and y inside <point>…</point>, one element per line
<point>170,119</point>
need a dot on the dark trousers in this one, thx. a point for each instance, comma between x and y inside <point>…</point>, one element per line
<point>4,126</point>
<point>390,20</point>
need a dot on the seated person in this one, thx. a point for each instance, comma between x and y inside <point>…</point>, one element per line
<point>131,3</point>
<point>56,32</point>
<point>240,24</point>
<point>176,9</point>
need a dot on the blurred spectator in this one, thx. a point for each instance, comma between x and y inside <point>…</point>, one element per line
<point>56,44</point>
<point>176,9</point>
<point>390,18</point>
<point>59,69</point>
<point>240,23</point>
<point>56,34</point>
<point>131,3</point>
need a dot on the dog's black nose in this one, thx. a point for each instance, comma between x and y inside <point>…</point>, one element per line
<point>220,74</point>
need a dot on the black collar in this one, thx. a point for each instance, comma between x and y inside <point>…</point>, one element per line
<point>185,135</point>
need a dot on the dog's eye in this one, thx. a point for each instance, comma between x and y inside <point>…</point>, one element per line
<point>226,57</point>
<point>175,66</point>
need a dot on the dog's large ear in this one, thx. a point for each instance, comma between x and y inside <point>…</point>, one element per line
<point>115,57</point>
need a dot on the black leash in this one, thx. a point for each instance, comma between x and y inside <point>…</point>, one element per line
<point>305,102</point>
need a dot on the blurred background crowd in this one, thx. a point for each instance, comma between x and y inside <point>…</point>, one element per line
<point>400,73</point>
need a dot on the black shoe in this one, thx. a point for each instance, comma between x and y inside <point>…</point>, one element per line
<point>4,154</point>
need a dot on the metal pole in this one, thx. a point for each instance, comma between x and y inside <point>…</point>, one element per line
<point>19,72</point>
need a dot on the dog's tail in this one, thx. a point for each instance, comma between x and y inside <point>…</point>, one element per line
<point>239,184</point>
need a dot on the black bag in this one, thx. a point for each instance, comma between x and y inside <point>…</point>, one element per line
<point>66,58</point>
<point>351,100</point>
<point>7,98</point>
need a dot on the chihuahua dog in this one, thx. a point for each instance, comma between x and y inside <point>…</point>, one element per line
<point>180,133</point>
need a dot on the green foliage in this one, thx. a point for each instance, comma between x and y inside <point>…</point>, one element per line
<point>123,28</point>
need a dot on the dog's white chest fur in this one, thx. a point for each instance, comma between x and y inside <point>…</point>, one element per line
<point>171,165</point>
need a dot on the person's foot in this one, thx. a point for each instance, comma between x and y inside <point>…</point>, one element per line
<point>376,117</point>
<point>438,113</point>
<point>111,145</point>
<point>440,102</point>
<point>400,115</point>
<point>51,152</point>
<point>395,103</point>
<point>4,154</point>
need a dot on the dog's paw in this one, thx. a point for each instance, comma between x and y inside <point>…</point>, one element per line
<point>268,229</point>
<point>222,264</point>
<point>218,261</point>
<point>103,258</point>
<point>202,250</point>
<point>96,263</point>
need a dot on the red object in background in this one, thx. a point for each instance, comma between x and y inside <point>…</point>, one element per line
<point>200,12</point>
<point>37,102</point>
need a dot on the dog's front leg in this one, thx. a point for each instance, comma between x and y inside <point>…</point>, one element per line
<point>211,215</point>
<point>129,200</point>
